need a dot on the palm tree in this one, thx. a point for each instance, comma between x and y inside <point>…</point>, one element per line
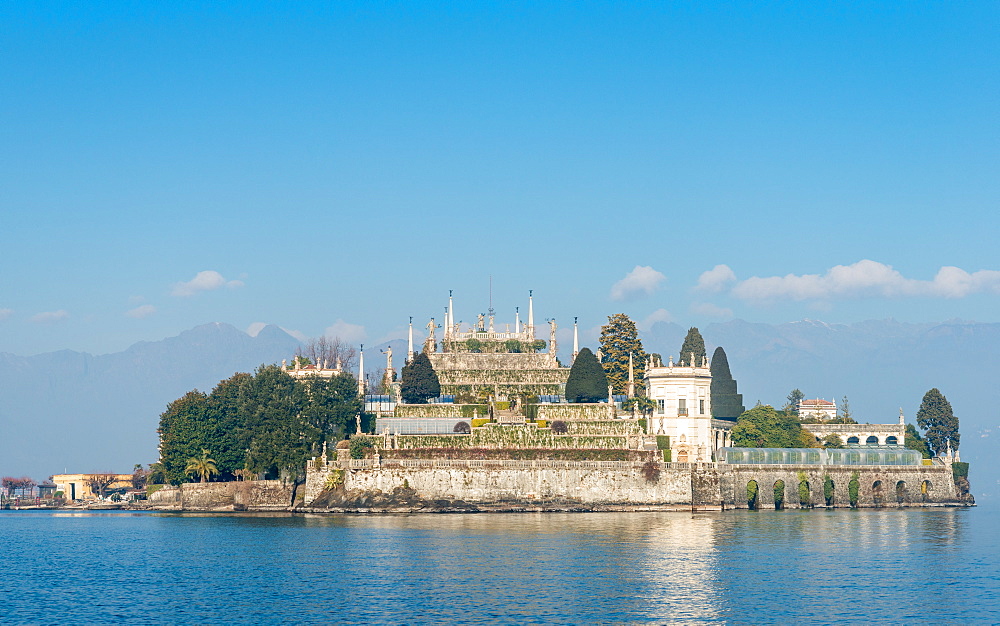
<point>202,467</point>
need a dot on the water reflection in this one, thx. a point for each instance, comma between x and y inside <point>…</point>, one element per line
<point>742,567</point>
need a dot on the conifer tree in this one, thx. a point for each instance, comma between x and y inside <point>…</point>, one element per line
<point>619,337</point>
<point>726,403</point>
<point>419,381</point>
<point>693,342</point>
<point>587,381</point>
<point>939,422</point>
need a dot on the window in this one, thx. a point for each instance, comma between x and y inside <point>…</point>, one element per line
<point>701,407</point>
<point>682,408</point>
<point>661,407</point>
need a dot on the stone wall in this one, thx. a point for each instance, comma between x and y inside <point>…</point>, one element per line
<point>250,495</point>
<point>496,436</point>
<point>521,483</point>
<point>698,485</point>
<point>568,412</point>
<point>940,484</point>
<point>467,411</point>
<point>444,361</point>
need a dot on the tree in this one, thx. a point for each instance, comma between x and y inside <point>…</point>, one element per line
<point>330,352</point>
<point>202,466</point>
<point>587,381</point>
<point>139,476</point>
<point>419,381</point>
<point>330,407</point>
<point>462,428</point>
<point>795,396</point>
<point>183,432</point>
<point>832,440</point>
<point>726,403</point>
<point>99,483</point>
<point>279,438</point>
<point>619,338</point>
<point>764,427</point>
<point>912,441</point>
<point>693,344</point>
<point>844,412</point>
<point>939,423</point>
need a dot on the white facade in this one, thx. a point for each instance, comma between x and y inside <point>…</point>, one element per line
<point>684,411</point>
<point>818,409</point>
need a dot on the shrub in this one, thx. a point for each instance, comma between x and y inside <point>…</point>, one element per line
<point>587,381</point>
<point>559,427</point>
<point>462,428</point>
<point>662,442</point>
<point>960,469</point>
<point>828,490</point>
<point>479,421</point>
<point>542,423</point>
<point>358,446</point>
<point>853,488</point>
<point>343,444</point>
<point>335,479</point>
<point>419,381</point>
<point>666,455</point>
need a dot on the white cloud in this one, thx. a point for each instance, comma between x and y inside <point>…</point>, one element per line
<point>50,317</point>
<point>141,312</point>
<point>208,280</point>
<point>5,313</point>
<point>867,278</point>
<point>710,310</point>
<point>641,281</point>
<point>659,315</point>
<point>716,279</point>
<point>295,333</point>
<point>347,332</point>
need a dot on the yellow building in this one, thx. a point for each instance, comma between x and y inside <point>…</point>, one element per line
<point>84,486</point>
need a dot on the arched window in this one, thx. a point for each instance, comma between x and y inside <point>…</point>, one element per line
<point>853,440</point>
<point>872,440</point>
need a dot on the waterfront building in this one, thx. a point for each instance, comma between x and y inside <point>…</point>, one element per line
<point>683,410</point>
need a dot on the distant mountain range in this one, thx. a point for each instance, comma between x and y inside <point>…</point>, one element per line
<point>79,412</point>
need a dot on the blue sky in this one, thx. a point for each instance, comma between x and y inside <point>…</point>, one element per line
<point>341,166</point>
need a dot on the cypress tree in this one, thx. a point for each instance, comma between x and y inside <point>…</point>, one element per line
<point>419,381</point>
<point>619,337</point>
<point>587,381</point>
<point>726,403</point>
<point>938,421</point>
<point>693,342</point>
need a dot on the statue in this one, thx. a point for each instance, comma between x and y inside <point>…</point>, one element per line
<point>552,336</point>
<point>481,324</point>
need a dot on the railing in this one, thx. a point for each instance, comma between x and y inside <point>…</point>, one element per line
<point>515,464</point>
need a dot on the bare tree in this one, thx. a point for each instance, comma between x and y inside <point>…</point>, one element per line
<point>99,483</point>
<point>330,351</point>
<point>139,477</point>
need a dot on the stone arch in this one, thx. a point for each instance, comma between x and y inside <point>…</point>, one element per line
<point>892,440</point>
<point>925,491</point>
<point>805,494</point>
<point>779,495</point>
<point>878,493</point>
<point>871,440</point>
<point>853,439</point>
<point>902,495</point>
<point>753,495</point>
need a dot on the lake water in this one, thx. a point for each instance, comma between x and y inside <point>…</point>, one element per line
<point>891,566</point>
